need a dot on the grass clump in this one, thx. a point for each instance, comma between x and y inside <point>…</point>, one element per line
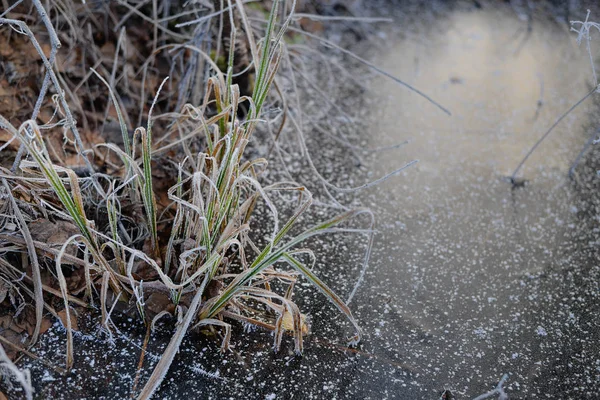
<point>189,241</point>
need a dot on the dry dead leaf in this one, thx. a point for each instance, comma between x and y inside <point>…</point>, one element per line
<point>157,302</point>
<point>62,314</point>
<point>5,321</point>
<point>52,233</point>
<point>4,287</point>
<point>312,26</point>
<point>288,322</point>
<point>6,90</point>
<point>25,322</point>
<point>46,324</point>
<point>15,338</point>
<point>5,49</point>
<point>108,50</point>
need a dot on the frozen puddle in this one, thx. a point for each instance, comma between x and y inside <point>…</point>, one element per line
<point>485,279</point>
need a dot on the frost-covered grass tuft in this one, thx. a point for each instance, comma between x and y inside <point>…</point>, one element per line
<point>194,247</point>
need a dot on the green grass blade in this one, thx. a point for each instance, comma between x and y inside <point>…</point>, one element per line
<point>323,288</point>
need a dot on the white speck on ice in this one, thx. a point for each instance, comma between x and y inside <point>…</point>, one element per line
<point>480,332</point>
<point>541,331</point>
<point>47,377</point>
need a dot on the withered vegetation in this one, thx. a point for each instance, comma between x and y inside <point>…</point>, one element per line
<point>126,182</point>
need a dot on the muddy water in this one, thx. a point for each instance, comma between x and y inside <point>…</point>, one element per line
<point>470,278</point>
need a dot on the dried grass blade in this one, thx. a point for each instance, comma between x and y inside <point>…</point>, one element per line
<point>169,354</point>
<point>65,295</point>
<point>35,265</point>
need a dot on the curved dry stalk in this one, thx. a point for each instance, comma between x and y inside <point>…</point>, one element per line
<point>513,177</point>
<point>122,124</point>
<point>330,294</point>
<point>372,66</point>
<point>169,354</point>
<point>65,295</point>
<point>35,265</point>
<point>288,308</point>
<point>216,322</point>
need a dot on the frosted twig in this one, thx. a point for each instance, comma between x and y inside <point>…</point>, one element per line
<point>372,66</point>
<point>366,257</point>
<point>70,121</point>
<point>535,146</point>
<point>55,45</point>
<point>205,17</point>
<point>499,390</point>
<point>584,33</point>
<point>9,9</point>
